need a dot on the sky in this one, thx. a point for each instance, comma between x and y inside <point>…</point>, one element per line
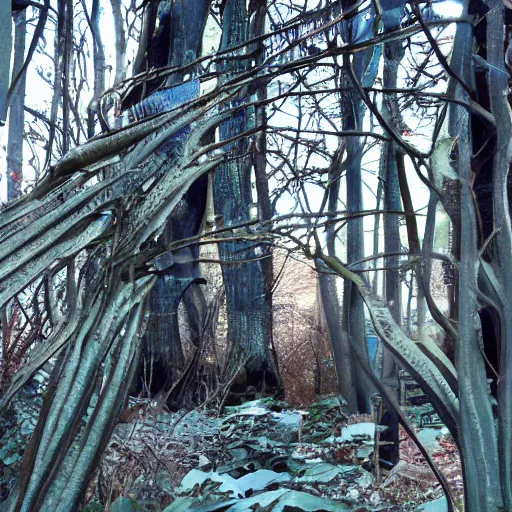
<point>38,96</point>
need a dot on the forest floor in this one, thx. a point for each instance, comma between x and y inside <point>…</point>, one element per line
<point>265,455</point>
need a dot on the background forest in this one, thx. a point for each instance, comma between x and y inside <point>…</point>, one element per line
<point>218,211</point>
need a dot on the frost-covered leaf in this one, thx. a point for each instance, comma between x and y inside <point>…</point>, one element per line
<point>198,477</point>
<point>287,426</point>
<point>439,505</point>
<point>296,500</point>
<point>365,480</point>
<point>8,447</point>
<point>361,429</point>
<point>180,504</point>
<point>249,411</point>
<point>261,479</point>
<point>241,466</point>
<point>295,466</point>
<point>11,459</point>
<point>239,453</point>
<point>163,483</point>
<point>260,402</point>
<point>329,403</point>
<point>323,472</point>
<point>428,438</point>
<point>364,451</point>
<point>262,443</point>
<point>262,500</point>
<point>203,461</point>
<point>352,494</point>
<point>211,507</point>
<point>27,428</point>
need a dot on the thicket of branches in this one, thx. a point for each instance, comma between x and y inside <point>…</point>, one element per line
<point>311,104</point>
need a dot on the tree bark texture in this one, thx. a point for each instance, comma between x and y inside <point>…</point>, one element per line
<point>363,64</point>
<point>16,113</point>
<point>477,434</point>
<point>498,83</point>
<point>176,40</point>
<point>393,54</point>
<point>249,332</point>
<point>5,60</point>
<point>340,344</point>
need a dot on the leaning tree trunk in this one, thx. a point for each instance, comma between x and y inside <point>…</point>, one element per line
<point>61,452</point>
<point>97,347</point>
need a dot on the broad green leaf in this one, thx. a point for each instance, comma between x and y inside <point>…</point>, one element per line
<point>261,479</point>
<point>198,477</point>
<point>323,473</point>
<point>296,500</point>
<point>265,499</point>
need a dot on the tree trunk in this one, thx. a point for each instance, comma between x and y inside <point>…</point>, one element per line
<point>99,67</point>
<point>53,473</point>
<point>498,84</point>
<point>5,60</point>
<point>340,344</point>
<point>265,212</point>
<point>176,42</point>
<point>338,337</point>
<point>16,113</point>
<point>246,292</point>
<point>362,64</point>
<point>393,53</point>
<point>477,434</point>
<point>101,341</point>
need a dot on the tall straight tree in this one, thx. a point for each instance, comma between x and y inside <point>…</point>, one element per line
<point>257,22</point>
<point>248,311</point>
<point>16,112</point>
<point>5,60</point>
<point>393,54</point>
<point>499,86</point>
<point>338,337</point>
<point>360,67</point>
<point>391,15</point>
